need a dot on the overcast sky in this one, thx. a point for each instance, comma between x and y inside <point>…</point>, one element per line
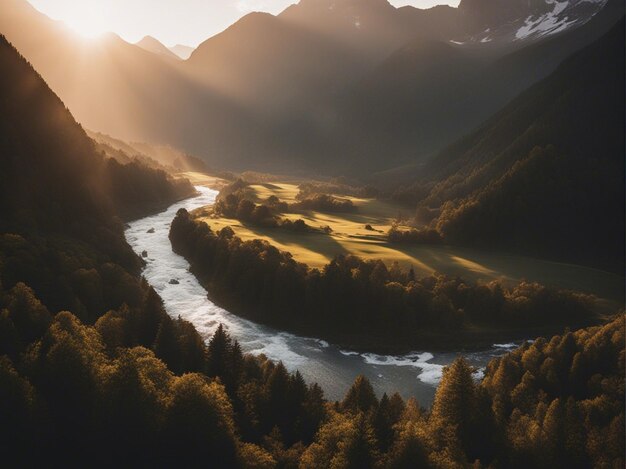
<point>173,22</point>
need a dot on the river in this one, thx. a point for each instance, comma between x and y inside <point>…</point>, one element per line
<point>415,374</point>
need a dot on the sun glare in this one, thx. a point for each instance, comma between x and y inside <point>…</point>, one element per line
<point>88,19</point>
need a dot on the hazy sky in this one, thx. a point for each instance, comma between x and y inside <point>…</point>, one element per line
<point>171,21</point>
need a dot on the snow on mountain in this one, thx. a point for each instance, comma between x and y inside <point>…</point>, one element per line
<point>563,15</point>
<point>516,20</point>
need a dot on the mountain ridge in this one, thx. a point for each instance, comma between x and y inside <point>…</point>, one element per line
<point>273,92</point>
<point>153,45</point>
<point>543,176</point>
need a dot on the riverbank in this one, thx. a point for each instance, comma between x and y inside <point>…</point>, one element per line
<point>363,305</point>
<point>472,339</point>
<point>333,367</point>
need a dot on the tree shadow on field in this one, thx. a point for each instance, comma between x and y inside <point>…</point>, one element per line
<point>320,243</point>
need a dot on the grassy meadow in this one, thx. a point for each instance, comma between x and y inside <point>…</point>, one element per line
<point>349,236</point>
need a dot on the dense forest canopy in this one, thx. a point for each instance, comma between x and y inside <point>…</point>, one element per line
<point>175,401</point>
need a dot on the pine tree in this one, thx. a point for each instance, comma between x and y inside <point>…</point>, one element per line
<point>382,423</point>
<point>149,319</point>
<point>360,396</point>
<point>359,449</point>
<point>553,434</point>
<point>166,345</point>
<point>454,408</point>
<point>410,448</point>
<point>297,395</point>
<point>277,392</point>
<point>235,368</point>
<point>218,353</point>
<point>315,412</point>
<point>192,348</point>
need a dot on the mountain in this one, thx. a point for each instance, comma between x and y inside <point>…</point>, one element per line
<point>270,65</point>
<point>153,45</point>
<point>429,93</point>
<point>92,364</point>
<point>353,80</point>
<point>343,86</point>
<point>495,21</point>
<point>109,84</point>
<point>545,175</point>
<point>295,62</point>
<point>371,28</point>
<point>182,51</point>
<point>50,172</point>
<point>357,22</point>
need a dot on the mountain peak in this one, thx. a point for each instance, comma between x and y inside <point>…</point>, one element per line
<point>339,6</point>
<point>153,45</point>
<point>149,40</point>
<point>182,51</point>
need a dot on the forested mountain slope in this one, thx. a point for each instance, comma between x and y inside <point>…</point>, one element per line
<point>60,199</point>
<point>544,176</point>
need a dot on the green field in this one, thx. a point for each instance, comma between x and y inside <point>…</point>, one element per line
<point>350,236</point>
<point>348,229</point>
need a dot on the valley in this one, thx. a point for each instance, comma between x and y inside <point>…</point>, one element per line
<point>351,234</point>
<point>414,374</point>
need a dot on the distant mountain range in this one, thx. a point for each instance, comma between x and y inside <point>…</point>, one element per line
<point>182,51</point>
<point>176,52</point>
<point>153,45</point>
<point>325,87</point>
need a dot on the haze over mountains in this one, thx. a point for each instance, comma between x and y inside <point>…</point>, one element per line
<point>182,51</point>
<point>177,52</point>
<point>153,45</point>
<point>326,86</point>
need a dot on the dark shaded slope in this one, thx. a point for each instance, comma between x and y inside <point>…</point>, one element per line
<point>50,172</point>
<point>48,167</point>
<point>410,105</point>
<point>60,200</point>
<point>545,176</point>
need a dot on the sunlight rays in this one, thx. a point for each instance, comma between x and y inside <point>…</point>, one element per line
<point>87,18</point>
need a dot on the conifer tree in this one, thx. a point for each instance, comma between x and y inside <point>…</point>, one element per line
<point>360,396</point>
